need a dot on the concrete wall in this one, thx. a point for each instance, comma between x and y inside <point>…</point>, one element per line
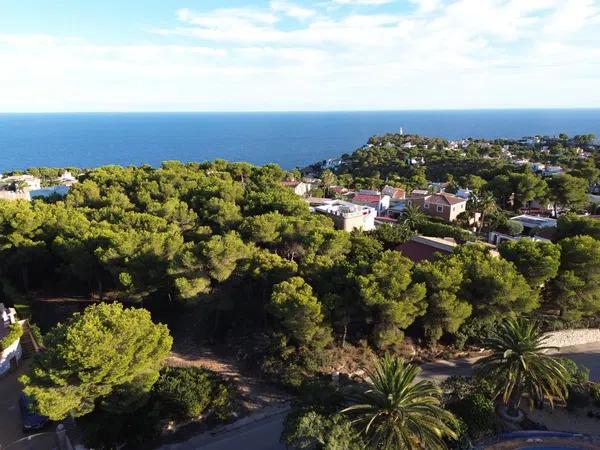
<point>10,195</point>
<point>12,351</point>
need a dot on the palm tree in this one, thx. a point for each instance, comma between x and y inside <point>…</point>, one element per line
<point>519,365</point>
<point>396,413</point>
<point>484,204</point>
<point>412,217</point>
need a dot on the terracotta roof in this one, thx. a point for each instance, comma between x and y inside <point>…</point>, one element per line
<point>290,183</point>
<point>366,198</point>
<point>546,232</point>
<point>445,199</point>
<point>339,189</point>
<point>395,193</point>
<point>417,252</point>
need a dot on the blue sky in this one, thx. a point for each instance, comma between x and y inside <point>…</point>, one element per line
<point>205,55</point>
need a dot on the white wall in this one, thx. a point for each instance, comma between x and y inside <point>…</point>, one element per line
<point>12,351</point>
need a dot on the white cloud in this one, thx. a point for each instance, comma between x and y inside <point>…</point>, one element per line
<point>466,53</point>
<point>426,6</point>
<point>292,10</point>
<point>362,2</point>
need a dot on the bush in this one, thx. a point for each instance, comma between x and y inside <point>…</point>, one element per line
<point>578,398</point>
<point>473,331</point>
<point>187,392</point>
<point>578,375</point>
<point>443,230</point>
<point>478,413</point>
<point>106,430</point>
<point>15,331</point>
<point>37,334</point>
<point>594,389</point>
<point>512,228</point>
<point>459,388</point>
<point>390,236</point>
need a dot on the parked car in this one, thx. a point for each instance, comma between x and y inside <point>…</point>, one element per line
<point>31,420</point>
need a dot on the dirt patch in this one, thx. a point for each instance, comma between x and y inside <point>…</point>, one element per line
<point>255,393</point>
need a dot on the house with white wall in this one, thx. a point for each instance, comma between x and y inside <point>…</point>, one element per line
<point>11,350</point>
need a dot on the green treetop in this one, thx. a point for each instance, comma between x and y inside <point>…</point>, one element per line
<point>104,349</point>
<point>577,287</point>
<point>537,261</point>
<point>394,300</point>
<point>299,311</point>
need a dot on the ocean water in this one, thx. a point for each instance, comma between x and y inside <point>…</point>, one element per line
<point>288,139</point>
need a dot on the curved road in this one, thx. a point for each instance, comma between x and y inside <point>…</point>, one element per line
<point>264,434</point>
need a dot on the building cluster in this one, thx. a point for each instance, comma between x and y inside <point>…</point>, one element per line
<point>366,209</point>
<point>361,209</point>
<point>27,187</point>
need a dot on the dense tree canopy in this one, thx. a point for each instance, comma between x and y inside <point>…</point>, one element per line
<point>106,350</point>
<point>576,290</point>
<point>537,261</point>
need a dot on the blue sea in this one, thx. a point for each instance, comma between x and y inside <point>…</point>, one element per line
<point>288,139</point>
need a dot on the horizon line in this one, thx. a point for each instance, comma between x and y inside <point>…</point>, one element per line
<point>291,111</point>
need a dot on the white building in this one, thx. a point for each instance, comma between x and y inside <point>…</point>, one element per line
<point>67,178</point>
<point>299,187</point>
<point>11,353</point>
<point>348,216</point>
<point>374,199</point>
<point>552,170</point>
<point>538,167</point>
<point>531,222</point>
<point>30,182</point>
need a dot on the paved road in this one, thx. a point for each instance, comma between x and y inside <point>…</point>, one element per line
<point>587,355</point>
<point>264,434</point>
<point>260,435</point>
<point>10,417</point>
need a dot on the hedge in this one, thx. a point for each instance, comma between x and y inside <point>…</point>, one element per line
<point>443,230</point>
<point>14,333</point>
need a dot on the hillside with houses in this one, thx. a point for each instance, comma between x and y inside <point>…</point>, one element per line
<point>188,295</point>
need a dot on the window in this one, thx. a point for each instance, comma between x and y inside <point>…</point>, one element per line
<point>440,208</point>
<point>426,206</point>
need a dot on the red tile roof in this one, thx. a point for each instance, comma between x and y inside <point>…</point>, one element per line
<point>445,199</point>
<point>417,252</point>
<point>366,198</point>
<point>339,189</point>
<point>290,183</point>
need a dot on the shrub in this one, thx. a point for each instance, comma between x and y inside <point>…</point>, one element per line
<point>443,230</point>
<point>187,392</point>
<point>512,228</point>
<point>578,375</point>
<point>37,334</point>
<point>15,331</point>
<point>459,388</point>
<point>106,430</point>
<point>594,389</point>
<point>478,413</point>
<point>578,398</point>
<point>473,331</point>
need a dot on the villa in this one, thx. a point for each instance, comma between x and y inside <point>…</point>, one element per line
<point>443,206</point>
<point>348,216</point>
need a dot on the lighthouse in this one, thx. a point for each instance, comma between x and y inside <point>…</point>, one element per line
<point>401,131</point>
